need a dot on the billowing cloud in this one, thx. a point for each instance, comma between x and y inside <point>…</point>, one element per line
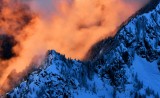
<point>70,27</point>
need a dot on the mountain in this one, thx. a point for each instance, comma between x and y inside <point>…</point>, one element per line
<point>125,66</point>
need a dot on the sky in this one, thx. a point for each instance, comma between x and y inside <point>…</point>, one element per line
<point>70,27</point>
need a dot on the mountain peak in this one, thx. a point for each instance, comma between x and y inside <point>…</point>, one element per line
<point>122,66</point>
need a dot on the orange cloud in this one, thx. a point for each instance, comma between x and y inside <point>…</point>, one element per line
<point>71,28</point>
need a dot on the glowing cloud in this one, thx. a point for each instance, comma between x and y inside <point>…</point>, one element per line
<point>70,27</point>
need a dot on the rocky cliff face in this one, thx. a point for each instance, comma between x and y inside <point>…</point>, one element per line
<point>124,66</point>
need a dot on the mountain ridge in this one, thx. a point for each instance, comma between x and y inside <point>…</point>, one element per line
<point>122,71</point>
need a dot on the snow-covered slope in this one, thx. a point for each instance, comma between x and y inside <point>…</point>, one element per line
<point>147,72</point>
<point>126,66</point>
<point>60,77</point>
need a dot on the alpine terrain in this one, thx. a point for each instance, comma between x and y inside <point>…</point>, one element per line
<point>125,66</point>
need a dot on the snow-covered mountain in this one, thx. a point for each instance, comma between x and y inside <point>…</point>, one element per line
<point>126,66</point>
